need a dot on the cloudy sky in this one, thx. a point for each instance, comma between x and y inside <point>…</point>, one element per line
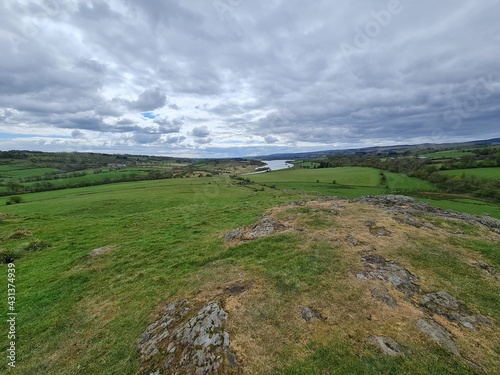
<point>217,78</point>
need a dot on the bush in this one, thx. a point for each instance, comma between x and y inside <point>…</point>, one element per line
<point>9,255</point>
<point>14,200</point>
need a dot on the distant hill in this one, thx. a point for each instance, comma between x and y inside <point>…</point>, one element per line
<point>376,149</point>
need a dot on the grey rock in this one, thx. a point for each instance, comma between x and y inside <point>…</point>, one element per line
<point>400,204</point>
<point>309,313</point>
<point>235,234</point>
<point>412,220</point>
<point>265,227</point>
<point>443,304</point>
<point>369,223</point>
<point>352,240</point>
<point>376,267</point>
<point>387,345</point>
<point>382,294</point>
<point>101,250</point>
<point>379,231</point>
<point>438,334</point>
<point>187,339</point>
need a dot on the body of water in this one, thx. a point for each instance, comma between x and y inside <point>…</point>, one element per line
<point>274,165</point>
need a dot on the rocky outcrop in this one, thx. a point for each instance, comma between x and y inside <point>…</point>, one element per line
<point>438,334</point>
<point>187,339</point>
<point>387,345</point>
<point>442,303</point>
<point>376,267</point>
<point>403,206</point>
<point>265,227</point>
<point>382,294</point>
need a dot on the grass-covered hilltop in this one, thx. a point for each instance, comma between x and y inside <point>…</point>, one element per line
<point>364,262</point>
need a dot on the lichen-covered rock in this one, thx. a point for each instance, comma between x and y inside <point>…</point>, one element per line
<point>309,313</point>
<point>387,345</point>
<point>382,294</point>
<point>187,339</point>
<point>376,267</point>
<point>403,218</point>
<point>265,227</point>
<point>442,303</point>
<point>438,334</point>
<point>353,240</point>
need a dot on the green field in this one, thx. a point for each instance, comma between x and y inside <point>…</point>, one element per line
<point>93,177</point>
<point>471,206</point>
<point>350,182</point>
<point>343,176</point>
<point>80,315</point>
<point>17,171</point>
<point>447,154</point>
<point>493,173</point>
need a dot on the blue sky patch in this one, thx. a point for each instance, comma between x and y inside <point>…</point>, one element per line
<point>149,115</point>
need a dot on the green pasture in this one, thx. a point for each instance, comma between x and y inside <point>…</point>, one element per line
<point>492,173</point>
<point>17,171</point>
<point>447,154</point>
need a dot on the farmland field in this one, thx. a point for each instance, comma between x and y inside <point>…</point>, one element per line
<point>447,154</point>
<point>350,182</point>
<point>493,173</point>
<point>18,171</point>
<point>342,176</point>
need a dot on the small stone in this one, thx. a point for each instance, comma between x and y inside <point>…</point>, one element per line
<point>380,232</point>
<point>101,250</point>
<point>387,345</point>
<point>353,241</point>
<point>309,313</point>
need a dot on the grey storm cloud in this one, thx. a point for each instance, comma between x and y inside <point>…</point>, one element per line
<point>166,126</point>
<point>201,132</point>
<point>232,77</point>
<point>148,100</point>
<point>270,139</point>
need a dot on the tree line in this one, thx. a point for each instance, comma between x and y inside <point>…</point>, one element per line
<point>428,169</point>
